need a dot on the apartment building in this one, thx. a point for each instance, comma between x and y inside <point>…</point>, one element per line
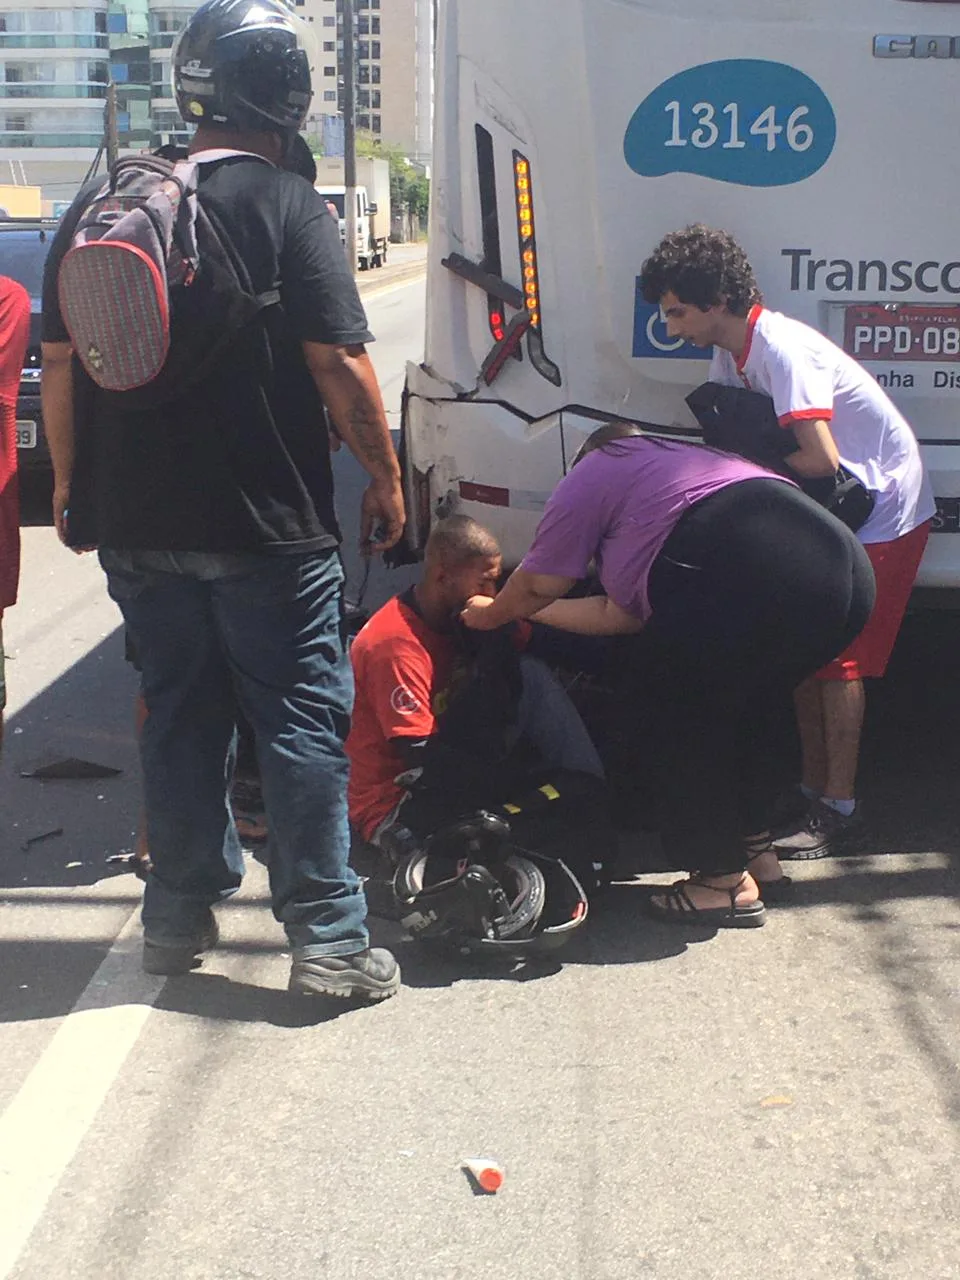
<point>57,59</point>
<point>322,123</point>
<point>394,68</point>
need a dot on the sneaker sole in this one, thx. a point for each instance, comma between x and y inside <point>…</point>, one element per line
<point>806,855</point>
<point>344,986</point>
<point>848,848</point>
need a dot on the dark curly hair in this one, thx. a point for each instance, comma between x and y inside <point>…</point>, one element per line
<point>703,267</point>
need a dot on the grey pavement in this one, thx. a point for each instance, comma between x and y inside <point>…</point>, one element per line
<point>404,262</point>
<point>666,1103</point>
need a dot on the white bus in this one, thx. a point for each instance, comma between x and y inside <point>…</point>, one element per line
<point>572,134</point>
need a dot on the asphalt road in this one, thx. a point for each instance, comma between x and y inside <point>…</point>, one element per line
<point>667,1104</point>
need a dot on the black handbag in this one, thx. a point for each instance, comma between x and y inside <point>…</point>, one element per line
<point>745,423</point>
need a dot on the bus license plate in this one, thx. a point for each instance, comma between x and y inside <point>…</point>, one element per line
<point>902,332</point>
<point>26,435</point>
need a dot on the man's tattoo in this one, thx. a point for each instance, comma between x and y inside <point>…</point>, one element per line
<point>372,440</point>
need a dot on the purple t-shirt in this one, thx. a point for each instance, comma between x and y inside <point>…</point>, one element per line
<point>619,508</point>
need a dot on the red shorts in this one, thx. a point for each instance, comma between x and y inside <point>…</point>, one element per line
<point>895,566</point>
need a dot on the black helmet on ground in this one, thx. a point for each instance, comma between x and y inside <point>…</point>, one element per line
<point>514,903</point>
<point>244,65</point>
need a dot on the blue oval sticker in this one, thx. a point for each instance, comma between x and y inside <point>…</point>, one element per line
<point>743,120</point>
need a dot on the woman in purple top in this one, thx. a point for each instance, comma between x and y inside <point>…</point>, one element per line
<point>740,587</point>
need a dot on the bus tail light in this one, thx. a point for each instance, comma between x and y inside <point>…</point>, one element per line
<point>530,269</point>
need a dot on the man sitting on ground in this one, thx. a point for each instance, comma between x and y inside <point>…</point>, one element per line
<point>444,727</point>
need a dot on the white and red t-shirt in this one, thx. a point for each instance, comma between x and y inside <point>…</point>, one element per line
<point>811,379</point>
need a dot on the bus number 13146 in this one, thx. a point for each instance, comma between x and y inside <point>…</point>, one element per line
<point>797,134</point>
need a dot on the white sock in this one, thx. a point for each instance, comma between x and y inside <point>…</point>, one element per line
<point>844,807</point>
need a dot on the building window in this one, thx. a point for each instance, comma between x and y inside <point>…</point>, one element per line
<point>363,121</point>
<point>329,71</point>
<point>329,95</point>
<point>374,48</point>
<point>375,99</point>
<point>329,46</point>
<point>53,20</point>
<point>329,22</point>
<point>376,124</point>
<point>374,26</point>
<point>54,78</point>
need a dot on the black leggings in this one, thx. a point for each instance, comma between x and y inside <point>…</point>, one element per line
<point>755,590</point>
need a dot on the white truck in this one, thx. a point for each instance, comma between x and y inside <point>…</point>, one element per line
<point>820,135</point>
<point>373,205</point>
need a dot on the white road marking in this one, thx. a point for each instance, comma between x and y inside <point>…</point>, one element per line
<point>42,1128</point>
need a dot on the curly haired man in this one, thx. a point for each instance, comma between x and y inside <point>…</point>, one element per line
<point>709,295</point>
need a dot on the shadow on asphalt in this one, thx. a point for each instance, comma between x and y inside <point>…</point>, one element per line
<point>911,795</point>
<point>219,999</point>
<point>87,714</point>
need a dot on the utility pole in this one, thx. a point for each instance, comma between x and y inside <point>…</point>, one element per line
<point>350,134</point>
<point>111,134</point>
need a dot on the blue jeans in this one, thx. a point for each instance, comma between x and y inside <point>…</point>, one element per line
<point>263,632</point>
<point>551,723</point>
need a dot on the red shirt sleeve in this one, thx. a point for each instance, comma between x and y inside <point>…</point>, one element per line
<point>14,335</point>
<point>399,680</point>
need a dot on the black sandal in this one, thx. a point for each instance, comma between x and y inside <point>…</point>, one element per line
<point>774,891</point>
<point>679,908</point>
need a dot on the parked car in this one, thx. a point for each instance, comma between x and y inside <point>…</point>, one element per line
<point>23,250</point>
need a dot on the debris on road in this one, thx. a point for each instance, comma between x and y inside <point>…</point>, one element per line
<point>71,768</point>
<point>777,1100</point>
<point>132,860</point>
<point>38,839</point>
<point>483,1173</point>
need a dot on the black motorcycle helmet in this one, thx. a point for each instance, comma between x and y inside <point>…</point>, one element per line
<point>515,902</point>
<point>244,65</point>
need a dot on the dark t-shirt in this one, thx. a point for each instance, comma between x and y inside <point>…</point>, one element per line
<point>242,461</point>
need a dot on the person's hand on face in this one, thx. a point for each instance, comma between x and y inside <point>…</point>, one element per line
<point>475,616</point>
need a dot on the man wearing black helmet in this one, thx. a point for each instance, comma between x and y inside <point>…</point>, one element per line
<point>213,515</point>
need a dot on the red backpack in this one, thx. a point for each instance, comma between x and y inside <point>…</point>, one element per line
<point>152,292</point>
